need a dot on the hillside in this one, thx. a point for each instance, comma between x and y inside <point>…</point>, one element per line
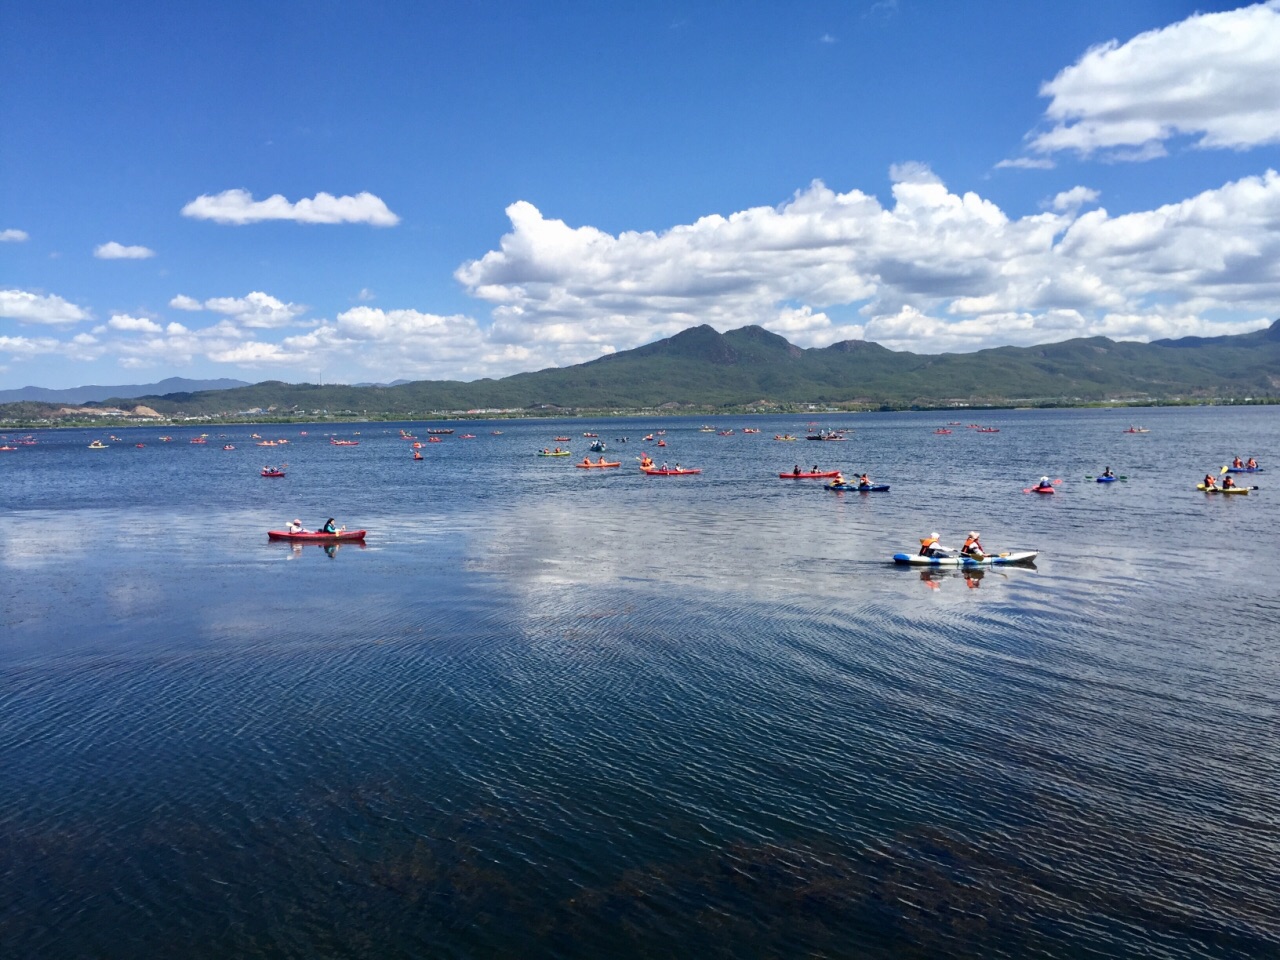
<point>700,367</point>
<point>94,392</point>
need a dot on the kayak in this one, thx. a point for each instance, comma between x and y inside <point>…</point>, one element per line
<point>955,560</point>
<point>316,537</point>
<point>590,466</point>
<point>859,488</point>
<point>1107,479</point>
<point>562,453</point>
<point>1200,486</point>
<point>820,475</point>
<point>273,473</point>
<point>1244,469</point>
<point>1042,490</point>
<point>684,471</point>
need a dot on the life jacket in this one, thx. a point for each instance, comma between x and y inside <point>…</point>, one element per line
<point>1237,462</point>
<point>1252,463</point>
<point>969,543</point>
<point>926,545</point>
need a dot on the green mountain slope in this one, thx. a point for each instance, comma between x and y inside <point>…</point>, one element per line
<point>703,368</point>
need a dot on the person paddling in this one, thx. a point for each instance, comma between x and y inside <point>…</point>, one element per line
<point>1107,472</point>
<point>973,547</point>
<point>1228,482</point>
<point>929,546</point>
<point>1209,482</point>
<point>1237,463</point>
<point>1252,464</point>
<point>329,527</point>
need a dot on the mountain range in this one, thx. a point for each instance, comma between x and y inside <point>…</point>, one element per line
<point>700,367</point>
<point>92,393</point>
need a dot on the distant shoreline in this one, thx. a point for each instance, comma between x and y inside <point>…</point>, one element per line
<point>83,422</point>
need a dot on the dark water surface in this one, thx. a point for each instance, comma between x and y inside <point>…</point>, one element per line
<point>568,713</point>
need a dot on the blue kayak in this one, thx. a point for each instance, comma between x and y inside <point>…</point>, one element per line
<point>859,488</point>
<point>1107,479</point>
<point>956,560</point>
<point>1244,469</point>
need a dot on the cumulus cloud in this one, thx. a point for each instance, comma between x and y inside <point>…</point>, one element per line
<point>117,251</point>
<point>931,269</point>
<point>27,307</point>
<point>934,270</point>
<point>258,310</point>
<point>22,347</point>
<point>124,322</point>
<point>238,207</point>
<point>12,236</point>
<point>1212,77</point>
<point>1073,199</point>
<point>183,302</point>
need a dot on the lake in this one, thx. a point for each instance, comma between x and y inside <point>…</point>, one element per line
<point>551,712</point>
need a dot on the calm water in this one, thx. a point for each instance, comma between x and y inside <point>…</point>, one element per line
<point>567,713</point>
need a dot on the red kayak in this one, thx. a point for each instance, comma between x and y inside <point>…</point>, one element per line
<point>683,471</point>
<point>825,474</point>
<point>273,473</point>
<point>316,537</point>
<point>1042,490</point>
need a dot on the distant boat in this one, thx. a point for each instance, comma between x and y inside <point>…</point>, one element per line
<point>1137,430</point>
<point>97,445</point>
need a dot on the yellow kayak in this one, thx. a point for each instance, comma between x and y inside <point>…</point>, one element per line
<point>1200,486</point>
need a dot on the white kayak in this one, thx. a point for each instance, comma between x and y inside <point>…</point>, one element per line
<point>956,560</point>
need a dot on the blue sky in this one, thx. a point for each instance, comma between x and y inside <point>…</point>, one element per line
<point>452,190</point>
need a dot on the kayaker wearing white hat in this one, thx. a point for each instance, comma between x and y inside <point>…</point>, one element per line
<point>972,548</point>
<point>929,546</point>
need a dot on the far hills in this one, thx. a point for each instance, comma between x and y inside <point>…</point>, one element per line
<point>91,393</point>
<point>702,368</point>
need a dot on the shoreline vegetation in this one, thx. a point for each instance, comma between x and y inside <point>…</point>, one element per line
<point>81,421</point>
<point>701,372</point>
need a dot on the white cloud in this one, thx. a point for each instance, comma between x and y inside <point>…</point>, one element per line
<point>124,322</point>
<point>1073,199</point>
<point>258,310</point>
<point>28,346</point>
<point>13,236</point>
<point>1213,76</point>
<point>27,307</point>
<point>116,251</point>
<point>934,270</point>
<point>183,302</point>
<point>238,207</point>
<point>930,270</point>
<point>1026,163</point>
